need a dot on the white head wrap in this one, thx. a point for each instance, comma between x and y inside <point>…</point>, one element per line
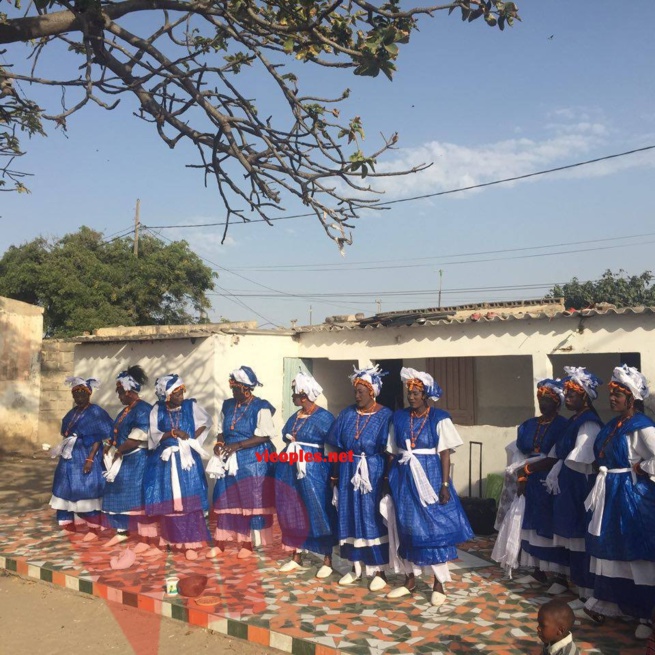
<point>128,382</point>
<point>306,384</point>
<point>432,389</point>
<point>165,385</point>
<point>555,385</point>
<point>587,380</point>
<point>631,378</point>
<point>246,376</point>
<point>372,375</point>
<point>76,381</point>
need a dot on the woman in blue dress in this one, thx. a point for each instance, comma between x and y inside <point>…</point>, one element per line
<point>429,515</point>
<point>244,494</point>
<point>78,483</point>
<point>570,481</point>
<point>174,483</point>
<point>536,437</point>
<point>621,535</point>
<point>303,496</point>
<point>362,432</point>
<point>125,459</point>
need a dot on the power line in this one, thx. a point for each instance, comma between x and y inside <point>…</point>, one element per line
<point>385,205</point>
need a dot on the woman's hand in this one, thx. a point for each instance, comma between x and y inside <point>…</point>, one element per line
<point>444,495</point>
<point>117,455</point>
<point>88,466</point>
<point>218,448</point>
<point>636,467</point>
<point>181,434</point>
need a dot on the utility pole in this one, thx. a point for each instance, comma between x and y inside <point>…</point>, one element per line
<point>440,281</point>
<point>136,228</point>
<point>310,315</point>
<point>379,305</point>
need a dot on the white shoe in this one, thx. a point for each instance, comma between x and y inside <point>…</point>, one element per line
<point>437,599</point>
<point>214,552</point>
<point>289,566</point>
<point>324,572</point>
<point>116,539</point>
<point>399,592</point>
<point>244,553</point>
<point>526,579</point>
<point>378,583</point>
<point>556,589</point>
<point>349,578</point>
<point>643,631</point>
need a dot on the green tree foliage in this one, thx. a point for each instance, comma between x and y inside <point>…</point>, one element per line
<point>618,289</point>
<point>181,60</point>
<point>84,283</point>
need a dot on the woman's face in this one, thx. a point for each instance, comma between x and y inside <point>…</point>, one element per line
<point>416,398</point>
<point>81,396</point>
<point>363,396</point>
<point>123,395</point>
<point>620,401</point>
<point>239,393</point>
<point>297,398</point>
<point>176,397</point>
<point>547,404</point>
<point>574,400</point>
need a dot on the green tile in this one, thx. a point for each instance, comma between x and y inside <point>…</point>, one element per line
<point>307,627</point>
<point>178,612</point>
<point>86,586</point>
<point>237,629</point>
<point>45,574</point>
<point>301,647</point>
<point>10,564</point>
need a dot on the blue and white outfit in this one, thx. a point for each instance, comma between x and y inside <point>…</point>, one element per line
<point>244,494</point>
<point>124,495</point>
<point>570,481</point>
<point>174,483</point>
<point>361,531</point>
<point>428,531</point>
<point>75,494</point>
<point>303,497</point>
<point>621,536</point>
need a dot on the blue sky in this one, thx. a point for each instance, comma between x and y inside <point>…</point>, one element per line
<point>480,104</point>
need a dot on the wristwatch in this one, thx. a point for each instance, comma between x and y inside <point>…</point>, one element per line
<point>445,484</point>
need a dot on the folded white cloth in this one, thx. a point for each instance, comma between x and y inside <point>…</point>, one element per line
<point>508,542</point>
<point>551,482</point>
<point>183,448</point>
<point>64,448</point>
<point>296,447</point>
<point>218,466</point>
<point>361,481</point>
<point>426,493</point>
<point>388,511</point>
<point>335,497</point>
<point>596,499</point>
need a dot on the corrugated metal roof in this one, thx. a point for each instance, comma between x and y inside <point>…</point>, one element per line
<point>543,309</point>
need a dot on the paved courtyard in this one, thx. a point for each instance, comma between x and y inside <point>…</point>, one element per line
<point>297,613</point>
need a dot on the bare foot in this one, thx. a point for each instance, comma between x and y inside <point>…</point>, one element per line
<point>116,539</point>
<point>90,536</point>
<point>191,554</point>
<point>214,552</point>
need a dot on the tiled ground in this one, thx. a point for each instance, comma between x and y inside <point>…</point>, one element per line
<point>298,613</point>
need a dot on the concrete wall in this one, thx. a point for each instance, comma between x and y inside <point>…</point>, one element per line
<point>21,330</point>
<point>57,363</point>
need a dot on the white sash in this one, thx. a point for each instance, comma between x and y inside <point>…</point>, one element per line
<point>388,512</point>
<point>596,499</point>
<point>297,448</point>
<point>551,482</point>
<point>361,481</point>
<point>184,448</point>
<point>64,448</point>
<point>426,493</point>
<point>112,465</point>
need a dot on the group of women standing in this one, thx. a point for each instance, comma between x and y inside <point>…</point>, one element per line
<point>388,504</point>
<point>589,493</point>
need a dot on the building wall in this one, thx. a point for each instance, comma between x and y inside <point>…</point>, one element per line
<point>21,330</point>
<point>57,363</point>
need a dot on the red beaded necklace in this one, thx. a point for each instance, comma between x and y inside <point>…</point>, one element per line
<point>413,436</point>
<point>358,432</point>
<point>120,419</point>
<point>74,420</point>
<point>538,436</point>
<point>611,435</point>
<point>236,417</point>
<point>294,429</point>
<point>174,416</point>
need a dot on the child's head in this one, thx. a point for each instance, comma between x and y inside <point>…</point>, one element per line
<point>554,621</point>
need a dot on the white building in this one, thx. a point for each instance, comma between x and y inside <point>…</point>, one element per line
<point>487,358</point>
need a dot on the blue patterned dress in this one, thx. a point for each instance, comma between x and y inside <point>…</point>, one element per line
<point>623,556</point>
<point>534,439</point>
<point>73,491</point>
<point>362,534</point>
<point>124,496</point>
<point>304,506</point>
<point>246,501</point>
<point>428,535</point>
<point>185,525</point>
